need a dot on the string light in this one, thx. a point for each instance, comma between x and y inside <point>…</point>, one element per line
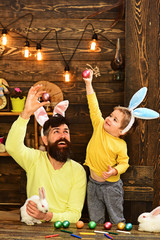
<point>26,49</point>
<point>39,52</point>
<point>26,52</point>
<point>67,74</point>
<point>4,37</point>
<point>93,44</point>
<point>67,77</point>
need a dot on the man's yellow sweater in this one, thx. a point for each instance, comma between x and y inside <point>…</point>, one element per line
<point>65,188</point>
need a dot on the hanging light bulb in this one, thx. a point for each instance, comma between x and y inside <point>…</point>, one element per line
<point>117,63</point>
<point>26,49</point>
<point>4,37</point>
<point>93,44</point>
<point>39,52</point>
<point>67,74</point>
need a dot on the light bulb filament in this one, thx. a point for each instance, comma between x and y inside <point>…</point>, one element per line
<point>4,39</point>
<point>39,55</point>
<point>26,52</point>
<point>67,76</point>
<point>93,45</point>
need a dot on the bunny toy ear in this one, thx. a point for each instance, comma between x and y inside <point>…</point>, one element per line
<point>137,98</point>
<point>145,113</point>
<point>41,116</point>
<point>60,108</point>
<point>42,194</point>
<point>142,113</point>
<point>155,211</point>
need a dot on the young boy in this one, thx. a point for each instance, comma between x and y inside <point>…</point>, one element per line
<point>107,159</point>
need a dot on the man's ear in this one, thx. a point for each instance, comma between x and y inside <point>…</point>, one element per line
<point>45,140</point>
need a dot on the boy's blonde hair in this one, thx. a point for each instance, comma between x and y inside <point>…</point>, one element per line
<point>127,115</point>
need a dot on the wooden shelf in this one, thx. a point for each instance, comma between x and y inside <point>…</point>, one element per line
<point>9,113</point>
<point>4,154</point>
<point>16,113</point>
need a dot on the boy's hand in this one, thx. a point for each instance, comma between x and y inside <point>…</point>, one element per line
<point>111,172</point>
<point>89,80</point>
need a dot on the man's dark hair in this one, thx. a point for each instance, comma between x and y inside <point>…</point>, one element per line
<point>54,121</point>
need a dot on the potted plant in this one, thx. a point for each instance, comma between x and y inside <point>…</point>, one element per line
<point>17,100</point>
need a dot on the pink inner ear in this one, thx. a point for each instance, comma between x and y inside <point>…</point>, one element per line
<point>43,193</point>
<point>61,107</point>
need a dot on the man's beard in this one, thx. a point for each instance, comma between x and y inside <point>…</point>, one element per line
<point>60,154</point>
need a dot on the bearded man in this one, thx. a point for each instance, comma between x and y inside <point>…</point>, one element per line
<point>63,179</point>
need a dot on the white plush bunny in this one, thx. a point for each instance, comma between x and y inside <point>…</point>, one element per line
<point>150,222</point>
<point>42,205</point>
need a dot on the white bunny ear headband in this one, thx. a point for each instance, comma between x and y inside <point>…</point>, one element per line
<point>142,113</point>
<point>41,114</point>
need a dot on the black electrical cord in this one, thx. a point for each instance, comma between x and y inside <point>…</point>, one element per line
<point>68,62</point>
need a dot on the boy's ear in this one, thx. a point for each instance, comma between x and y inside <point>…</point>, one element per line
<point>45,140</point>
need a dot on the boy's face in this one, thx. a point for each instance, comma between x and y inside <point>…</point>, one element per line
<point>112,123</point>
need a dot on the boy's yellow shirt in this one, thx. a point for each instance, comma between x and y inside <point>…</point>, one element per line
<point>104,149</point>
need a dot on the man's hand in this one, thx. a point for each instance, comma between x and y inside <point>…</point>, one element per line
<point>32,103</point>
<point>111,172</point>
<point>33,211</point>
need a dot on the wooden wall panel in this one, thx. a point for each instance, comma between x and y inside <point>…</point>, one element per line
<point>66,17</point>
<point>142,58</point>
<point>56,9</point>
<point>139,45</point>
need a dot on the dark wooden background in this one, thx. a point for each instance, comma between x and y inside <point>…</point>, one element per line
<point>138,31</point>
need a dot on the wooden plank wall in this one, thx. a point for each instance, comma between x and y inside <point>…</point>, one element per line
<point>66,17</point>
<point>142,69</point>
<point>141,45</point>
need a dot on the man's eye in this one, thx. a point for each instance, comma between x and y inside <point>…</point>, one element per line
<point>55,132</point>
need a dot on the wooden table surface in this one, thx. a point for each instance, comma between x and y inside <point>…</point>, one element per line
<point>15,230</point>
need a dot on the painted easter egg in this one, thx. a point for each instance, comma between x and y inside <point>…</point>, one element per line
<point>121,225</point>
<point>80,224</point>
<point>45,96</point>
<point>128,226</point>
<point>66,224</point>
<point>92,224</point>
<point>108,225</point>
<point>58,224</point>
<point>86,73</point>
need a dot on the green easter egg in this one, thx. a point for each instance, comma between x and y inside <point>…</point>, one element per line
<point>66,224</point>
<point>128,226</point>
<point>92,224</point>
<point>58,224</point>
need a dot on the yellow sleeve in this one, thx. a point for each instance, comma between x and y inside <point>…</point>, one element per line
<point>95,113</point>
<point>14,145</point>
<point>122,159</point>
